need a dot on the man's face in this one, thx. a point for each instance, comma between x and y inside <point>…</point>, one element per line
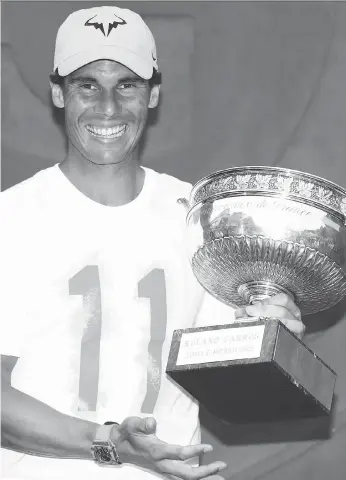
<point>106,107</point>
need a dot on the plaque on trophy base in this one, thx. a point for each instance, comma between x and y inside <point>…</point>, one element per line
<point>255,372</point>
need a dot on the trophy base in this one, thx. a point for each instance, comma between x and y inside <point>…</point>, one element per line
<point>254,372</point>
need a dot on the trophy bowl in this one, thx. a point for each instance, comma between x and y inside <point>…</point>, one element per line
<point>253,232</point>
<point>257,231</point>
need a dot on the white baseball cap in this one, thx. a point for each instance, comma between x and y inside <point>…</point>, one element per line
<point>110,33</point>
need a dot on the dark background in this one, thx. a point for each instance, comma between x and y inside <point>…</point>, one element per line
<point>244,83</point>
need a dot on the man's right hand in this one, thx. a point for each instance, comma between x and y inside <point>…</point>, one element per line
<point>137,443</point>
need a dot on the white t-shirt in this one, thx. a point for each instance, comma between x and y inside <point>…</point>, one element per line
<point>72,270</point>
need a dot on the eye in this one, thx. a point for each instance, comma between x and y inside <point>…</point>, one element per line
<point>88,86</point>
<point>127,86</point>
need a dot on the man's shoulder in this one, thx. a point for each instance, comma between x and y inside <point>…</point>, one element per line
<point>22,204</point>
<point>26,192</point>
<point>169,184</point>
<point>166,190</point>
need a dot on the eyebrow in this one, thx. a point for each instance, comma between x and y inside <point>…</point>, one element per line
<point>132,79</point>
<point>89,79</point>
<point>81,79</point>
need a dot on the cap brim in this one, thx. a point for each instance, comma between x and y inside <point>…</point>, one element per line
<point>139,65</point>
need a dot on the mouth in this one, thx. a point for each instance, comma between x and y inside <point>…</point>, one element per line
<point>106,133</point>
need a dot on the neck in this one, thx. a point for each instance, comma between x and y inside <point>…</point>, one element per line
<point>111,185</point>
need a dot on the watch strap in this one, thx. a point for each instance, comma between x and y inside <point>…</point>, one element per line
<point>103,433</point>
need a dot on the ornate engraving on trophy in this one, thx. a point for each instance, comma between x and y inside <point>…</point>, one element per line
<point>273,180</point>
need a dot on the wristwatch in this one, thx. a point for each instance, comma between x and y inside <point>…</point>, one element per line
<point>103,449</point>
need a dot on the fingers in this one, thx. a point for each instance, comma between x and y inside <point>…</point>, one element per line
<point>241,312</point>
<point>149,451</point>
<point>295,326</point>
<point>280,306</point>
<point>149,425</point>
<point>285,301</point>
<point>288,307</point>
<point>272,311</point>
<point>176,452</point>
<point>141,425</point>
<point>171,460</point>
<point>188,472</point>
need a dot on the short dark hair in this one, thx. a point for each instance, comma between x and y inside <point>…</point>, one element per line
<point>155,79</point>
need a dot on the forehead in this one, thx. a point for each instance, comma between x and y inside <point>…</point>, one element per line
<point>104,69</point>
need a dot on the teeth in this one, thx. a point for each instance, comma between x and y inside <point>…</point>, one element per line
<point>111,132</point>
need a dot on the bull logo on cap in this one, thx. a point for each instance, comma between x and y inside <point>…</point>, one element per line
<point>101,21</point>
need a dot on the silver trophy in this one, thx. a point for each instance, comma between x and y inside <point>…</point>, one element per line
<point>254,232</point>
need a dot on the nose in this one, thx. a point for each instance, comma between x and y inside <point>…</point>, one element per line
<point>109,103</point>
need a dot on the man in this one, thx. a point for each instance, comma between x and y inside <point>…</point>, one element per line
<point>94,280</point>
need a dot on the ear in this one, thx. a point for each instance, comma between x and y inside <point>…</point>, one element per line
<point>154,96</point>
<point>57,95</point>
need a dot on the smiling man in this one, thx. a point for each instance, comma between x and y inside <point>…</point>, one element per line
<point>106,77</point>
<point>95,279</point>
<point>106,107</point>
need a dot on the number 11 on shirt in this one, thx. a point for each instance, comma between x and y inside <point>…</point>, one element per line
<point>87,284</point>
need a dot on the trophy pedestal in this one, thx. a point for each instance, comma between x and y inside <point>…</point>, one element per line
<point>251,372</point>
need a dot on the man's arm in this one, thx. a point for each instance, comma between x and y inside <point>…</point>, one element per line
<point>32,427</point>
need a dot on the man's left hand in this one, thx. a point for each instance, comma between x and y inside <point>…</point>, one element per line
<point>279,306</point>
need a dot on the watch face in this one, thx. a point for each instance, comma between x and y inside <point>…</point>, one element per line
<point>103,454</point>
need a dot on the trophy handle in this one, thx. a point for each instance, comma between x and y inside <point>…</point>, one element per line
<point>185,203</point>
